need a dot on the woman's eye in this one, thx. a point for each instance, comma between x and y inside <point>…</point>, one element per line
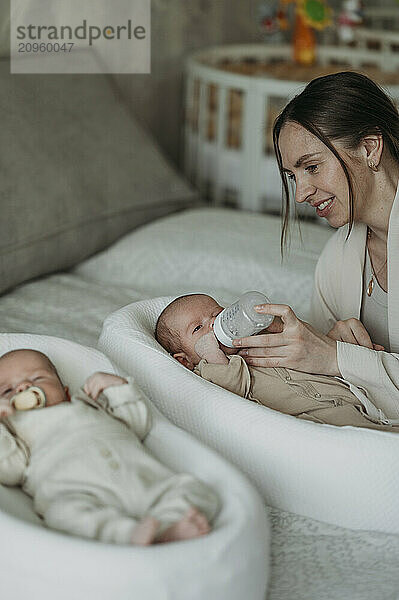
<point>311,168</point>
<point>197,328</point>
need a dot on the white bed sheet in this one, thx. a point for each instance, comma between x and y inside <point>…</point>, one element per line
<point>311,560</point>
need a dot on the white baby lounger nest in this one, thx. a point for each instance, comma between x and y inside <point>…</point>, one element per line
<point>341,475</point>
<point>230,563</point>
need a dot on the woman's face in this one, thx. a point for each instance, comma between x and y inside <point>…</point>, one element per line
<point>317,174</point>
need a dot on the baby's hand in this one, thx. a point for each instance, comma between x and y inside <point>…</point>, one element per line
<point>208,347</point>
<point>6,410</point>
<point>98,382</point>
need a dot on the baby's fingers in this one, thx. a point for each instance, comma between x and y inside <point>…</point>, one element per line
<point>6,410</point>
<point>93,385</point>
<point>91,389</point>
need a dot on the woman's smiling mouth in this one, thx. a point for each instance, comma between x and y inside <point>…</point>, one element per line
<point>324,207</point>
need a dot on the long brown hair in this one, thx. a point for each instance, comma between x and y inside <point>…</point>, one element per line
<point>345,106</point>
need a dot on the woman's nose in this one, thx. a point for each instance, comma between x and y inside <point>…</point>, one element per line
<point>303,192</point>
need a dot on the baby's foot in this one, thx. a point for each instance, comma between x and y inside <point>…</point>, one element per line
<point>191,525</point>
<point>144,532</point>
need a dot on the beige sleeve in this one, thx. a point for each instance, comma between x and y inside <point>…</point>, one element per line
<point>13,458</point>
<point>375,372</point>
<point>234,377</point>
<point>325,301</point>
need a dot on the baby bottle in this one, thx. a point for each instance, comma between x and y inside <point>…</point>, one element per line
<point>33,397</point>
<point>240,319</point>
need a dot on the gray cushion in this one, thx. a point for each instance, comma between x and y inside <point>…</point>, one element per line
<point>76,172</point>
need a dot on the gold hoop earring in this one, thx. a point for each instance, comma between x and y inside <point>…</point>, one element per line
<point>372,165</point>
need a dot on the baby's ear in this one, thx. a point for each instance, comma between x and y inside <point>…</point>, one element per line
<point>183,360</point>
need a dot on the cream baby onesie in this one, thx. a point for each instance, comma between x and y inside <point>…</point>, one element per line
<point>87,471</point>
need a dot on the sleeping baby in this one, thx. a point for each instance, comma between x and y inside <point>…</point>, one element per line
<point>185,330</point>
<point>82,461</point>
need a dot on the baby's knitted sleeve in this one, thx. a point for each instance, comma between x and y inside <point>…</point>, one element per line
<point>13,458</point>
<point>128,403</point>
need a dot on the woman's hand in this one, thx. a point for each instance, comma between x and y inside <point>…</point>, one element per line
<point>296,346</point>
<point>354,332</point>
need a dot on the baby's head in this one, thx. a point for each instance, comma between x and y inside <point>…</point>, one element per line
<point>21,369</point>
<point>183,323</point>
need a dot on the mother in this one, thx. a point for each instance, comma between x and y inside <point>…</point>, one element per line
<point>338,141</point>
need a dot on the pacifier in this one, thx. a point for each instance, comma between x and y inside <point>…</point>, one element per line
<point>31,398</point>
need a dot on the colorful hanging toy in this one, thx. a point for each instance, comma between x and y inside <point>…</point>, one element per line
<point>272,18</point>
<point>350,17</point>
<point>309,15</point>
<point>315,13</point>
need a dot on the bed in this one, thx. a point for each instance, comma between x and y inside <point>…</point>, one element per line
<point>49,231</point>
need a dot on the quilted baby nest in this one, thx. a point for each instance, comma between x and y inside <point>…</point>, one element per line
<point>346,476</point>
<point>229,563</point>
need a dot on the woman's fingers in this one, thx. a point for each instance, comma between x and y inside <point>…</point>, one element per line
<point>267,340</point>
<point>352,331</point>
<point>255,352</point>
<point>264,357</point>
<point>275,361</point>
<point>285,317</point>
<point>347,336</point>
<point>276,326</point>
<point>298,346</point>
<point>283,311</point>
<point>360,333</point>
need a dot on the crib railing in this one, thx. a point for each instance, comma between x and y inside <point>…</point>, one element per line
<point>232,96</point>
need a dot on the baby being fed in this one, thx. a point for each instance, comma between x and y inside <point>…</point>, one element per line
<point>185,330</point>
<point>82,461</point>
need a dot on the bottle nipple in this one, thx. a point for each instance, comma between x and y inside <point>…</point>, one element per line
<point>33,397</point>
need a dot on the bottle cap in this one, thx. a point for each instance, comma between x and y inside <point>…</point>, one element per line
<point>33,397</point>
<point>220,334</point>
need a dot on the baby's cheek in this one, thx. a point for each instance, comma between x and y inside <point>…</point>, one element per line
<point>205,343</point>
<point>55,395</point>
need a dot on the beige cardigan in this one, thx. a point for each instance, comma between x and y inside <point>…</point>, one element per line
<point>338,296</point>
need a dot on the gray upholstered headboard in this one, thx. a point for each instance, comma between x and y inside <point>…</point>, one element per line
<point>4,29</point>
<point>76,172</point>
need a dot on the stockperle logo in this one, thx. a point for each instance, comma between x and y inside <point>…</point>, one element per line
<point>80,36</point>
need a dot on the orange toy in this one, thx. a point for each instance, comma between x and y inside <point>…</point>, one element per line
<point>309,15</point>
